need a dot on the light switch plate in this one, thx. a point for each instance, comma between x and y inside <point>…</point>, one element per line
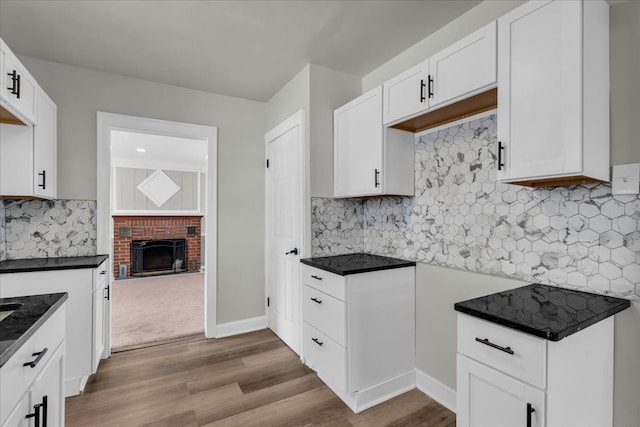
<point>626,179</point>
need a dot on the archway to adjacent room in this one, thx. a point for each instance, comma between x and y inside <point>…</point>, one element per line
<point>156,192</point>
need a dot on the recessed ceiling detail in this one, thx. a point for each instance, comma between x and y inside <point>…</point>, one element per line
<point>158,187</point>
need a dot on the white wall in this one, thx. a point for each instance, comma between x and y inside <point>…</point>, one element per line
<point>80,93</point>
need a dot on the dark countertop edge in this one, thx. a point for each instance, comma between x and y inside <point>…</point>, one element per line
<point>548,335</point>
<point>99,260</point>
<point>308,262</point>
<point>11,350</point>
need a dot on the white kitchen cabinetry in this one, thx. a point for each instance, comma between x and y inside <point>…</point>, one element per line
<point>18,91</point>
<point>86,314</point>
<point>36,392</point>
<point>370,159</point>
<point>553,93</point>
<point>463,69</point>
<point>509,378</point>
<point>358,332</point>
<point>28,134</point>
<point>28,161</point>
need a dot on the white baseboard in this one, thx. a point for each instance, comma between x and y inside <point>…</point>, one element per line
<point>436,390</point>
<point>241,326</point>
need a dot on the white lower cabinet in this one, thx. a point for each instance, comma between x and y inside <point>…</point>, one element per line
<point>85,318</point>
<point>358,332</point>
<point>509,378</point>
<point>33,395</point>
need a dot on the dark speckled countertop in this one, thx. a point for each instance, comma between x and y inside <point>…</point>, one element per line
<point>16,329</point>
<point>356,263</point>
<point>44,264</point>
<point>545,311</point>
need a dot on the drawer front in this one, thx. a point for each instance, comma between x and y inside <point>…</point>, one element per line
<point>528,361</point>
<point>100,275</point>
<point>325,313</point>
<point>325,356</point>
<point>322,280</point>
<point>16,378</point>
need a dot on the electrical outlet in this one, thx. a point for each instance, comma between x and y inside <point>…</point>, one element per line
<point>626,179</point>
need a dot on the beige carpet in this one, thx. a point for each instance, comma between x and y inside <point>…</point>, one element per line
<point>157,308</point>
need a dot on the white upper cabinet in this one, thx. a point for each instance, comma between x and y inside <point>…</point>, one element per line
<point>28,165</point>
<point>28,133</point>
<point>553,93</point>
<point>370,160</point>
<point>407,93</point>
<point>45,148</point>
<point>18,91</point>
<point>463,69</point>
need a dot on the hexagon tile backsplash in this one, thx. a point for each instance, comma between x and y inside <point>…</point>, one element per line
<point>578,236</point>
<point>47,228</point>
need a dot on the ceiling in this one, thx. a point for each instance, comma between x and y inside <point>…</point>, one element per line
<point>142,150</point>
<point>247,49</point>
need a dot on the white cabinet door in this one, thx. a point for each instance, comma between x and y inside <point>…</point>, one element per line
<point>465,68</point>
<point>45,148</point>
<point>358,139</point>
<point>18,86</point>
<point>98,327</point>
<point>17,417</point>
<point>407,93</point>
<point>489,398</point>
<point>48,391</point>
<point>553,97</point>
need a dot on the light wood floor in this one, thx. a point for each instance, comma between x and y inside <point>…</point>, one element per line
<point>247,380</point>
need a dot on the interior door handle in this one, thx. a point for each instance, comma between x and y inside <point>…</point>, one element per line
<point>292,251</point>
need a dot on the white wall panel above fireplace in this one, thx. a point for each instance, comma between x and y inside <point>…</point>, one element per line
<point>129,199</point>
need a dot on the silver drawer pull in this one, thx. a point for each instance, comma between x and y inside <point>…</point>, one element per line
<point>316,277</point>
<point>316,300</point>
<point>317,341</point>
<point>496,346</point>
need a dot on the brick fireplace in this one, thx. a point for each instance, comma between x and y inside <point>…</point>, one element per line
<point>134,228</point>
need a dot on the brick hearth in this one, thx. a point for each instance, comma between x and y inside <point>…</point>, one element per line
<point>154,227</point>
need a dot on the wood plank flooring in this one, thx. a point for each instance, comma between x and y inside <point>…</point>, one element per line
<point>247,380</point>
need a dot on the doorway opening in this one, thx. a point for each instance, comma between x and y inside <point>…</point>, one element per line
<point>157,221</point>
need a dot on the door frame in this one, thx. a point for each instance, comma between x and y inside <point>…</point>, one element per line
<point>107,122</point>
<point>296,119</point>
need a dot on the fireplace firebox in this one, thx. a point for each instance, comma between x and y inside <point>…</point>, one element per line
<point>151,257</point>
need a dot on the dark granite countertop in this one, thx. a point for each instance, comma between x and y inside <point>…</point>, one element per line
<point>16,329</point>
<point>44,264</point>
<point>356,263</point>
<point>545,311</point>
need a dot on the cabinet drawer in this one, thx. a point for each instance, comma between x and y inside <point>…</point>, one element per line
<point>322,280</point>
<point>325,356</point>
<point>324,313</point>
<point>528,361</point>
<point>16,378</point>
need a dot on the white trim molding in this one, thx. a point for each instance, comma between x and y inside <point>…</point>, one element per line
<point>241,326</point>
<point>436,390</point>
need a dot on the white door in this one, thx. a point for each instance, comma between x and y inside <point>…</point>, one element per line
<point>285,189</point>
<point>490,398</point>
